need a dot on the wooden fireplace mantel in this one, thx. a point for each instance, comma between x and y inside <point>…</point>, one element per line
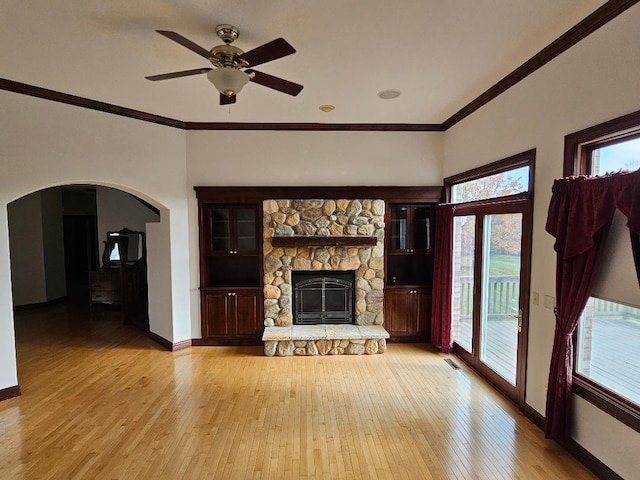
<point>324,241</point>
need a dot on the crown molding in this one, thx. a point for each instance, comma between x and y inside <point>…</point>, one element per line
<point>60,97</point>
<point>352,127</point>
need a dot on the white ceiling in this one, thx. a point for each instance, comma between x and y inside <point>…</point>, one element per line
<point>440,54</point>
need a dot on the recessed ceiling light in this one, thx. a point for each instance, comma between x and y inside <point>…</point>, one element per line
<point>327,108</point>
<point>389,94</point>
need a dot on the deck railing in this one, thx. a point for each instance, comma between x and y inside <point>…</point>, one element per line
<point>504,289</point>
<point>605,309</point>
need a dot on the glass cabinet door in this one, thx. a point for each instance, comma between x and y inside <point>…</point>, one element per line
<point>220,229</point>
<point>246,229</point>
<point>410,228</point>
<point>421,228</point>
<point>398,236</point>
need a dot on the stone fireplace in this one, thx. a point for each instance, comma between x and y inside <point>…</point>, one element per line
<point>332,225</point>
<point>337,247</point>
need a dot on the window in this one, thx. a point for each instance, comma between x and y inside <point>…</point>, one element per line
<point>510,182</point>
<point>608,347</point>
<point>607,340</point>
<point>624,155</point>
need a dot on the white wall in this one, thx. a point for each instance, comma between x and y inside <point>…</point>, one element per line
<point>44,144</point>
<point>27,256</point>
<point>268,158</point>
<point>593,82</point>
<point>8,372</point>
<point>159,279</point>
<point>37,248</point>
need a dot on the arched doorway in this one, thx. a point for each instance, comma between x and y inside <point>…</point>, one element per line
<point>39,266</point>
<point>56,237</point>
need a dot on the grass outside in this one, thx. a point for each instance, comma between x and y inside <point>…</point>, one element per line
<point>499,265</point>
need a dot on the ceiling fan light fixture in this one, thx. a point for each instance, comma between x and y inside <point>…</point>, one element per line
<point>228,80</point>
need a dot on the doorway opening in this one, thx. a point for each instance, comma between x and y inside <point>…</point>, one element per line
<point>55,239</point>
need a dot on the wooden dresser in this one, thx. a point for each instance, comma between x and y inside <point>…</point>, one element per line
<point>122,280</point>
<point>105,286</point>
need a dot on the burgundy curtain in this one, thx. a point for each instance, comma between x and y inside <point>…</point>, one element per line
<point>635,248</point>
<point>579,218</point>
<point>442,274</point>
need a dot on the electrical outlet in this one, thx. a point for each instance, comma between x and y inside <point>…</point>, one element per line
<point>535,298</point>
<point>549,302</point>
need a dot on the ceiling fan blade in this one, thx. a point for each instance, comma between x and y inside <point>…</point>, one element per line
<point>273,50</point>
<point>184,73</point>
<point>176,37</point>
<point>280,84</point>
<point>224,100</point>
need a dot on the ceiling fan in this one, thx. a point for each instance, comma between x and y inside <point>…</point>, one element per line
<point>232,71</point>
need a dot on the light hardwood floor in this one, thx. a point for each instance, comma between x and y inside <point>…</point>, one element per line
<point>100,400</point>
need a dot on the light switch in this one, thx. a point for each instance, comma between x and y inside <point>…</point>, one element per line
<point>535,298</point>
<point>549,302</point>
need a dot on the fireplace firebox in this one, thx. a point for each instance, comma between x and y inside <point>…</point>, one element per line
<point>323,297</point>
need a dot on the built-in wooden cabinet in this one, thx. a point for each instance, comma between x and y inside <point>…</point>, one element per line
<point>409,271</point>
<point>408,313</point>
<point>232,315</point>
<point>230,266</point>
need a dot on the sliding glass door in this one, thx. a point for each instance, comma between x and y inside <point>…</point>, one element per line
<point>490,292</point>
<point>464,233</point>
<point>500,313</point>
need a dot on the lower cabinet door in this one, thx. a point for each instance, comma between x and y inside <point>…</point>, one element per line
<point>216,306</point>
<point>248,318</point>
<point>232,316</point>
<point>423,314</point>
<point>400,318</point>
<point>407,313</point>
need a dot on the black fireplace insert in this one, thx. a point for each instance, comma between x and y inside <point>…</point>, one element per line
<point>323,297</point>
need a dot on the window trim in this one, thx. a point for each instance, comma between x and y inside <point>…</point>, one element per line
<point>524,159</point>
<point>578,148</point>
<point>579,145</point>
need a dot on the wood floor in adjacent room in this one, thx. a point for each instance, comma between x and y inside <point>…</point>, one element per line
<point>100,400</point>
